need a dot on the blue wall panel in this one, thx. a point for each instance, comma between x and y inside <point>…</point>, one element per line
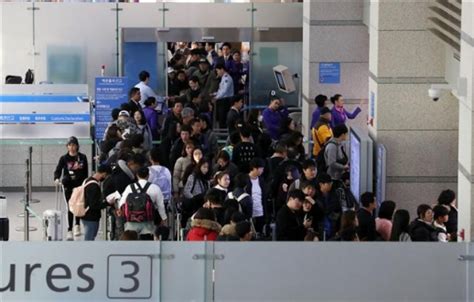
<point>137,57</point>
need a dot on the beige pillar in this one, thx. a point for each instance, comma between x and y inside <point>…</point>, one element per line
<point>466,114</point>
<point>333,31</point>
<point>421,136</point>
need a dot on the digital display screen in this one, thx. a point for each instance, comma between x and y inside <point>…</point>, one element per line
<point>280,80</point>
<point>355,165</point>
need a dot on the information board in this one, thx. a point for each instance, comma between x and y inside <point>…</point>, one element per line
<point>110,93</point>
<point>355,165</point>
<point>381,173</point>
<point>329,73</point>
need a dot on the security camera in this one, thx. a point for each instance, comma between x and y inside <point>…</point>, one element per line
<point>435,90</point>
<point>458,89</point>
<point>434,93</point>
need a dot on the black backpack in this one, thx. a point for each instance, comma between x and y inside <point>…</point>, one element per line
<point>138,206</point>
<point>321,158</point>
<point>29,77</point>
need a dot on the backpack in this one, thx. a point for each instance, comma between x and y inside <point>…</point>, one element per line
<point>138,206</point>
<point>77,202</point>
<point>231,197</point>
<point>29,77</point>
<point>321,158</point>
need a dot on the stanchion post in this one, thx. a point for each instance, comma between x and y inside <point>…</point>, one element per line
<point>27,201</point>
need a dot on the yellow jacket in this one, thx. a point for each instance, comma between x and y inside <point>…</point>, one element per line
<point>320,136</point>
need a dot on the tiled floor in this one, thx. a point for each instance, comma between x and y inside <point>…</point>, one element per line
<point>14,207</point>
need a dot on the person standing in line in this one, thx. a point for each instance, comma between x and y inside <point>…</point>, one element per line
<point>335,156</point>
<point>145,90</point>
<point>321,131</point>
<point>256,188</point>
<point>145,228</point>
<point>71,171</point>
<point>400,230</point>
<point>94,202</point>
<point>447,198</point>
<point>134,101</point>
<point>289,226</point>
<point>320,101</point>
<point>367,230</point>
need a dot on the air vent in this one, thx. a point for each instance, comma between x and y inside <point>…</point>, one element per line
<point>445,22</point>
<point>444,38</point>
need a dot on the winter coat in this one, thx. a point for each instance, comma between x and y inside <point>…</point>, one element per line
<point>422,231</point>
<point>203,230</point>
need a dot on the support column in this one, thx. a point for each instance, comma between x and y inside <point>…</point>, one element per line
<point>421,136</point>
<point>466,114</point>
<point>333,31</point>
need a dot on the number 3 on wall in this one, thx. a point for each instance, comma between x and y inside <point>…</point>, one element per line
<point>132,276</point>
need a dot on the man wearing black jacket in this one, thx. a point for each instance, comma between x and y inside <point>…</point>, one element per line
<point>289,227</point>
<point>134,101</point>
<point>367,231</point>
<point>94,202</point>
<point>234,115</point>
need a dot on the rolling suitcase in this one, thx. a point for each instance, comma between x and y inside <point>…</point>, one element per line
<point>4,223</point>
<point>53,222</point>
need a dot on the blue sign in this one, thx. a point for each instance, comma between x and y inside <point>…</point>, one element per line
<point>110,93</point>
<point>329,73</point>
<point>43,118</point>
<point>372,105</point>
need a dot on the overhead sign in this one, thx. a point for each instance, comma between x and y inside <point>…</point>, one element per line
<point>329,73</point>
<point>110,93</point>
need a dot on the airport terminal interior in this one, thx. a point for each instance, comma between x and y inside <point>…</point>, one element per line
<point>142,142</point>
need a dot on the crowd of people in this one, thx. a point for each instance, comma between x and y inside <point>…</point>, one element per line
<point>259,184</point>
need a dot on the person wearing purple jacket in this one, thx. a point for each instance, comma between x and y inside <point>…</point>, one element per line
<point>273,115</point>
<point>320,101</point>
<point>151,116</point>
<point>339,113</point>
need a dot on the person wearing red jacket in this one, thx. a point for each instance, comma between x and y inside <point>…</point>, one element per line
<point>204,226</point>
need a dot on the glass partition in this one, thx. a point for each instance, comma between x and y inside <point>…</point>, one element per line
<point>277,41</point>
<point>221,15</point>
<point>17,39</point>
<point>185,271</point>
<point>267,55</point>
<point>74,40</point>
<point>140,16</point>
<point>278,14</point>
<point>339,272</point>
<point>470,270</point>
<point>236,271</point>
